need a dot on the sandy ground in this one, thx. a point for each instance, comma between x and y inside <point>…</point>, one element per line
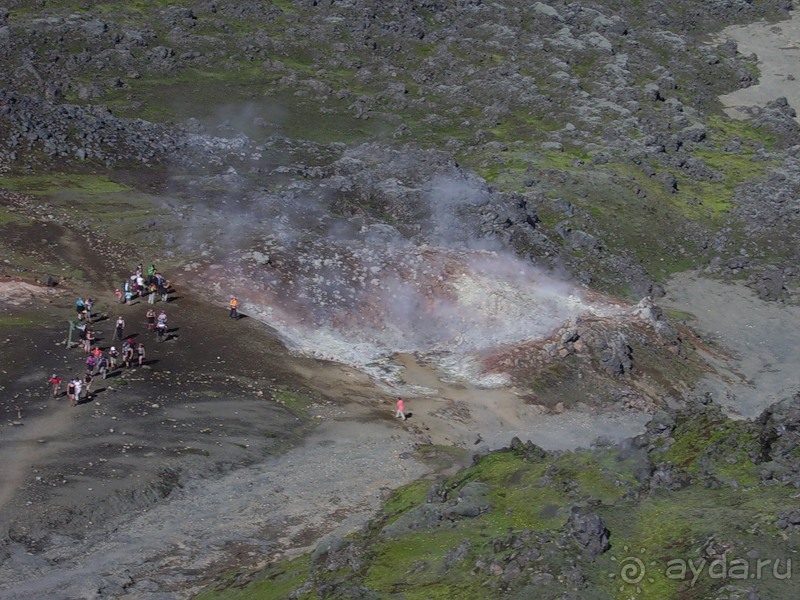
<point>760,338</point>
<point>777,46</point>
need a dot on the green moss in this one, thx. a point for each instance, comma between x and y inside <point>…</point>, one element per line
<point>52,183</point>
<point>680,315</point>
<point>405,498</point>
<point>549,377</point>
<point>668,527</point>
<point>413,565</point>
<point>275,582</point>
<point>295,401</point>
<point>14,321</point>
<point>10,217</point>
<point>599,476</point>
<point>710,444</point>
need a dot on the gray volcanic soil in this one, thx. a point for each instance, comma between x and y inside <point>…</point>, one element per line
<point>777,47</point>
<point>183,472</point>
<point>83,488</point>
<point>757,341</point>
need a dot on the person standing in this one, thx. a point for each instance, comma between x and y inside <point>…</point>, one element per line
<point>140,353</point>
<point>88,340</point>
<point>164,289</point>
<point>71,392</point>
<point>119,329</point>
<point>234,304</point>
<point>161,326</point>
<point>88,305</point>
<point>150,316</point>
<point>400,414</point>
<point>161,330</point>
<point>79,308</point>
<point>152,288</point>
<point>55,381</point>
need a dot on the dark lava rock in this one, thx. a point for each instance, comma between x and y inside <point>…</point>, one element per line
<point>588,530</point>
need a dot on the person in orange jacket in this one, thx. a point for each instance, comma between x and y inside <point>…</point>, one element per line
<point>234,304</point>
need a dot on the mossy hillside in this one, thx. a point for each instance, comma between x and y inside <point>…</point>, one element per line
<point>711,445</point>
<point>110,207</point>
<point>632,212</point>
<point>276,581</point>
<point>52,183</point>
<point>666,528</point>
<point>315,89</point>
<point>21,257</point>
<point>660,527</point>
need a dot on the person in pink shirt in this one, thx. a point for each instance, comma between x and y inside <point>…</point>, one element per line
<point>400,408</point>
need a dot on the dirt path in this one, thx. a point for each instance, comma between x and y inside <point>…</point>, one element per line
<point>28,447</point>
<point>487,419</point>
<point>331,483</point>
<point>761,336</point>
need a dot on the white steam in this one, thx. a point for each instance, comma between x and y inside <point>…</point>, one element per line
<point>303,256</point>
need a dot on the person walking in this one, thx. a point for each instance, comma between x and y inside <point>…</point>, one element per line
<point>161,326</point>
<point>76,398</point>
<point>91,363</point>
<point>127,355</point>
<point>87,385</point>
<point>140,353</point>
<point>113,357</point>
<point>55,382</point>
<point>119,329</point>
<point>234,304</point>
<point>102,365</point>
<point>400,414</point>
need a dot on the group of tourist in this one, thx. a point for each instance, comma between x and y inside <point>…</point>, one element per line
<point>100,362</point>
<point>151,284</point>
